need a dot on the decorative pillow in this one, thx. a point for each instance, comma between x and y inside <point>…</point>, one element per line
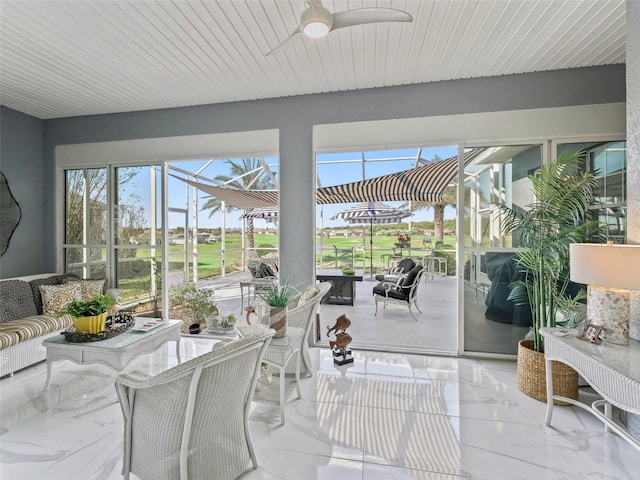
<point>56,297</point>
<point>16,300</point>
<point>52,280</point>
<point>89,288</point>
<point>308,294</point>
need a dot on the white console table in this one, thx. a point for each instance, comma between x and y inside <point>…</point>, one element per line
<point>612,370</point>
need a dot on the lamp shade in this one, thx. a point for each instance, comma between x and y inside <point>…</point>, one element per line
<point>616,266</point>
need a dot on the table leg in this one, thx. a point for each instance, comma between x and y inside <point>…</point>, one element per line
<point>549,378</point>
<point>178,350</point>
<point>48,381</point>
<point>608,412</point>
<point>283,380</point>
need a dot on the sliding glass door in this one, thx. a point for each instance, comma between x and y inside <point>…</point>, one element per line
<point>492,176</point>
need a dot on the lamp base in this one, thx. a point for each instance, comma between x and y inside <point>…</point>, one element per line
<point>609,307</point>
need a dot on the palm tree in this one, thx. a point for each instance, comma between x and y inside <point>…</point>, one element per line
<point>244,175</point>
<point>449,198</point>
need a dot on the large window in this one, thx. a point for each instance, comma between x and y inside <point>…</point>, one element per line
<point>85,243</point>
<point>608,161</point>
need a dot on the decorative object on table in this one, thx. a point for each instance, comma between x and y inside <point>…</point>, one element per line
<point>348,271</point>
<point>610,272</point>
<point>222,324</point>
<point>277,297</point>
<point>403,241</point>
<point>266,376</point>
<point>341,354</point>
<point>90,315</point>
<point>115,324</point>
<point>196,303</point>
<point>10,214</point>
<point>194,329</point>
<point>544,230</point>
<point>372,212</point>
<point>589,332</point>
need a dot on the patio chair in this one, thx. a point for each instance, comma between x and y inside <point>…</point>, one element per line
<point>402,292</point>
<point>192,420</point>
<point>392,275</point>
<point>263,278</point>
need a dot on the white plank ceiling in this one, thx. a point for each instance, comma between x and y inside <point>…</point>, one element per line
<point>70,58</point>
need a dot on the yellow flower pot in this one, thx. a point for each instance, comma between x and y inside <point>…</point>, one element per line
<point>94,324</point>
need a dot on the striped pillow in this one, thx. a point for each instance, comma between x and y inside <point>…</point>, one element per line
<point>57,297</point>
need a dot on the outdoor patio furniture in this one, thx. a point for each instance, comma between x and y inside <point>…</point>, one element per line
<point>403,292</point>
<point>192,420</point>
<point>402,267</point>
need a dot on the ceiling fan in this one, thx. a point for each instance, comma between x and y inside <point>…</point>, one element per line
<point>316,21</point>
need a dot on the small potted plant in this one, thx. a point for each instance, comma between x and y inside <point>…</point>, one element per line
<point>196,303</point>
<point>277,297</point>
<point>90,315</point>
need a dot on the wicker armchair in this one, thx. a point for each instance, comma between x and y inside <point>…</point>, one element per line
<point>402,292</point>
<point>191,421</point>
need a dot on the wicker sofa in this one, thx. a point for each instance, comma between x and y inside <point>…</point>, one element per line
<point>23,327</point>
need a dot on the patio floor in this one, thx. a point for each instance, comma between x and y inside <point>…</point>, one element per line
<point>393,329</point>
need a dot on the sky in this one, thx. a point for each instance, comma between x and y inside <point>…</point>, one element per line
<point>330,173</point>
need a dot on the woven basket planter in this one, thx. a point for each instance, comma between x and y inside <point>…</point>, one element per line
<point>532,380</point>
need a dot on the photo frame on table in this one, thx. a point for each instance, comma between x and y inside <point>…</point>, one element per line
<point>590,332</point>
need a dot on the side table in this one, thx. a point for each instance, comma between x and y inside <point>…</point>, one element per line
<point>279,353</point>
<point>612,370</point>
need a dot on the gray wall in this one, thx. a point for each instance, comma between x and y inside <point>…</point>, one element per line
<point>295,116</point>
<point>22,162</point>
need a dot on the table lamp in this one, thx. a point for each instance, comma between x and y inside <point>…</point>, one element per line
<point>610,271</point>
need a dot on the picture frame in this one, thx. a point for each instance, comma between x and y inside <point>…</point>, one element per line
<point>589,332</point>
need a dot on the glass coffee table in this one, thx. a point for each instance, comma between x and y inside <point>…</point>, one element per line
<point>116,352</point>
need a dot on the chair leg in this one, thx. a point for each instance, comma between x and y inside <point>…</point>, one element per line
<point>411,312</point>
<point>375,298</point>
<point>417,306</point>
<point>282,380</point>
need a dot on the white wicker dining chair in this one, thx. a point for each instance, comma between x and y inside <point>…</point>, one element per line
<point>302,315</point>
<point>191,421</point>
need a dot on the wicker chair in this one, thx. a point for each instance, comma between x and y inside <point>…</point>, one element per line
<point>191,421</point>
<point>402,292</point>
<point>302,315</point>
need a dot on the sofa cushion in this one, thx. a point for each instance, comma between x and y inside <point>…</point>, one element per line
<point>36,326</point>
<point>8,339</point>
<point>56,297</point>
<point>52,280</point>
<point>16,300</point>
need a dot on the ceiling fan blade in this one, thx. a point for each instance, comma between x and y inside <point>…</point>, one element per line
<point>359,16</point>
<point>284,44</point>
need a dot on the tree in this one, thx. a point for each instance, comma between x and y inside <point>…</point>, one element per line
<point>247,174</point>
<point>449,197</point>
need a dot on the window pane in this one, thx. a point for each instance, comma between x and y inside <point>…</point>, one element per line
<point>86,201</point>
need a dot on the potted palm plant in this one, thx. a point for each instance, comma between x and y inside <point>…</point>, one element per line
<point>557,218</point>
<point>277,296</point>
<point>90,315</point>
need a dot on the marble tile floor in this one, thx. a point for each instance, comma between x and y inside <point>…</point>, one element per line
<point>387,416</point>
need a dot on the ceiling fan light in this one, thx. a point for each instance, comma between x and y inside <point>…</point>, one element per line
<point>316,29</point>
<point>316,21</point>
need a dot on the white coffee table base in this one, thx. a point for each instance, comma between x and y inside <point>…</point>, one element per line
<point>116,352</point>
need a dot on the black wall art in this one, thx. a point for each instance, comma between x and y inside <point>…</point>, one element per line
<point>10,214</point>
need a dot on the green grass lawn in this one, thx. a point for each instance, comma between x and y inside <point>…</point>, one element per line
<point>209,256</point>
